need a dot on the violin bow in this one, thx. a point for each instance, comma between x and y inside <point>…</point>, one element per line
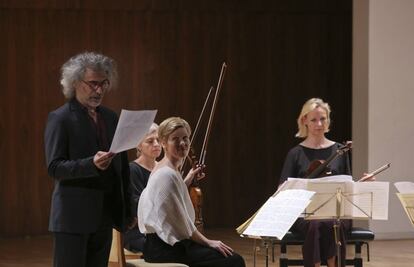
<point>198,124</point>
<point>203,151</point>
<point>201,115</point>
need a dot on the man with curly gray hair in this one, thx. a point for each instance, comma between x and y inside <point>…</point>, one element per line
<point>90,193</point>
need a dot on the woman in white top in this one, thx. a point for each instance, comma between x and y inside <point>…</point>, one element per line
<point>166,214</point>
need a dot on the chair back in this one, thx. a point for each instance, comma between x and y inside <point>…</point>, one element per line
<point>117,254</point>
<point>117,257</point>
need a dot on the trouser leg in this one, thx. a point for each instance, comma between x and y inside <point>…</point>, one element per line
<point>82,250</point>
<point>99,247</point>
<point>69,250</point>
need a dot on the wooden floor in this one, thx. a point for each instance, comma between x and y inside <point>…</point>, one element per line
<point>37,251</point>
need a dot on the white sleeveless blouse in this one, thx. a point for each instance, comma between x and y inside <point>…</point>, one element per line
<point>165,207</point>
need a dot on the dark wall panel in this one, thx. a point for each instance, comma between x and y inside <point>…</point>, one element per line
<point>279,53</point>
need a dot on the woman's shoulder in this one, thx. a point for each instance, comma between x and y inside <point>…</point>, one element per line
<point>296,149</point>
<point>336,145</point>
<point>166,177</point>
<point>294,153</point>
<point>133,165</point>
<point>164,171</point>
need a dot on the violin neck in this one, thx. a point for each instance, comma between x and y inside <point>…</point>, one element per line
<point>195,182</point>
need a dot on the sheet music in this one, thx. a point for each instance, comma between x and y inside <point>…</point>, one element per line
<point>360,200</point>
<point>380,192</point>
<point>132,127</point>
<point>405,187</point>
<point>407,201</point>
<point>302,183</point>
<point>334,178</point>
<point>295,183</point>
<point>278,214</point>
<point>359,205</point>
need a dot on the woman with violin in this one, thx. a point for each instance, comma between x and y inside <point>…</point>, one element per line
<point>313,123</point>
<point>166,214</point>
<point>148,150</point>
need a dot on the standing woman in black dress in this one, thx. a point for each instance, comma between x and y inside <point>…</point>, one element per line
<point>313,123</point>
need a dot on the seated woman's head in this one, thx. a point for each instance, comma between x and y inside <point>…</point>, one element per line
<point>150,146</point>
<point>174,134</point>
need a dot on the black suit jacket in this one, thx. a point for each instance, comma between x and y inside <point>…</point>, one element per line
<point>70,144</point>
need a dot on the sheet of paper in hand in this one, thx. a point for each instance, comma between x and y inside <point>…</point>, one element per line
<point>132,127</point>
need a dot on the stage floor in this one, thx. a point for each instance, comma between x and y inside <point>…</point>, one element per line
<point>37,251</point>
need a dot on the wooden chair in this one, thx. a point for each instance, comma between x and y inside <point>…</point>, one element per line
<point>120,257</point>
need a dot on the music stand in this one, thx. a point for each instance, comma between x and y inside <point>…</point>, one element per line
<point>275,217</point>
<point>337,201</point>
<point>354,201</point>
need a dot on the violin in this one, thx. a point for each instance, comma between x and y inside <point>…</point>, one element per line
<point>196,195</point>
<point>319,168</point>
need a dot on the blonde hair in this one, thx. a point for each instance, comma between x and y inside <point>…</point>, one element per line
<point>153,128</point>
<point>171,124</point>
<point>310,105</point>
